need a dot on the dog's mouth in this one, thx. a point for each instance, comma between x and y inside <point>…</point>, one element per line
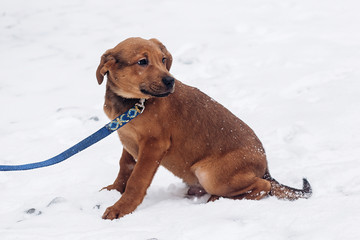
<point>156,94</point>
<point>157,90</point>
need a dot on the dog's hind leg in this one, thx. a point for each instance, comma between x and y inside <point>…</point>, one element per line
<point>258,189</point>
<point>233,178</point>
<point>127,164</point>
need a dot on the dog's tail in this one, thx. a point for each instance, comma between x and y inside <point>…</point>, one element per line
<point>284,192</point>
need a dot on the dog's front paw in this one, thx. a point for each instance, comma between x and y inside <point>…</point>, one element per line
<point>109,188</point>
<point>118,187</point>
<point>112,213</point>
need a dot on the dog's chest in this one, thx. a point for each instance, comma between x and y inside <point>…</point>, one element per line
<point>129,141</point>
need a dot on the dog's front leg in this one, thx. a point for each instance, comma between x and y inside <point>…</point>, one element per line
<point>150,155</point>
<point>127,164</point>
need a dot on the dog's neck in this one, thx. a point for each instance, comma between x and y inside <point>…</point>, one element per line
<point>116,103</point>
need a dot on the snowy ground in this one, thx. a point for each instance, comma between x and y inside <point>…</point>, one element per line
<point>290,69</point>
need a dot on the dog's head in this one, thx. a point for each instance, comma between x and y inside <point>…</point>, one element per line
<point>137,68</point>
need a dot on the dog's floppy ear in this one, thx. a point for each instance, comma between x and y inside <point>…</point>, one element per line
<point>165,51</point>
<point>107,60</point>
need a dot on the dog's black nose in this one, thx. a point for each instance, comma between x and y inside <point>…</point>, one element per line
<point>168,81</point>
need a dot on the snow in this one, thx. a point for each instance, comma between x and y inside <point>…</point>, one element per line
<point>290,69</point>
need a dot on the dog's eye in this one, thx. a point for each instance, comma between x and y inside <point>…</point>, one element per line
<point>143,62</point>
<point>163,60</point>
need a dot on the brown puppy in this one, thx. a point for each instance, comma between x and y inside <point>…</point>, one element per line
<point>182,129</point>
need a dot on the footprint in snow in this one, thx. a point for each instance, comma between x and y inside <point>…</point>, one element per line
<point>56,200</point>
<point>33,211</point>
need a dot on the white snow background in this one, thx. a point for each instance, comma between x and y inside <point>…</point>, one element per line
<point>290,69</point>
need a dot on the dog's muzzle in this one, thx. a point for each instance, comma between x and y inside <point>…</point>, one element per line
<point>163,89</point>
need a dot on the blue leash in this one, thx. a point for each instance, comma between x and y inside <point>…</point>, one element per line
<point>87,142</point>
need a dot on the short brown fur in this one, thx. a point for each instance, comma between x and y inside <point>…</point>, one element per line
<point>182,129</point>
